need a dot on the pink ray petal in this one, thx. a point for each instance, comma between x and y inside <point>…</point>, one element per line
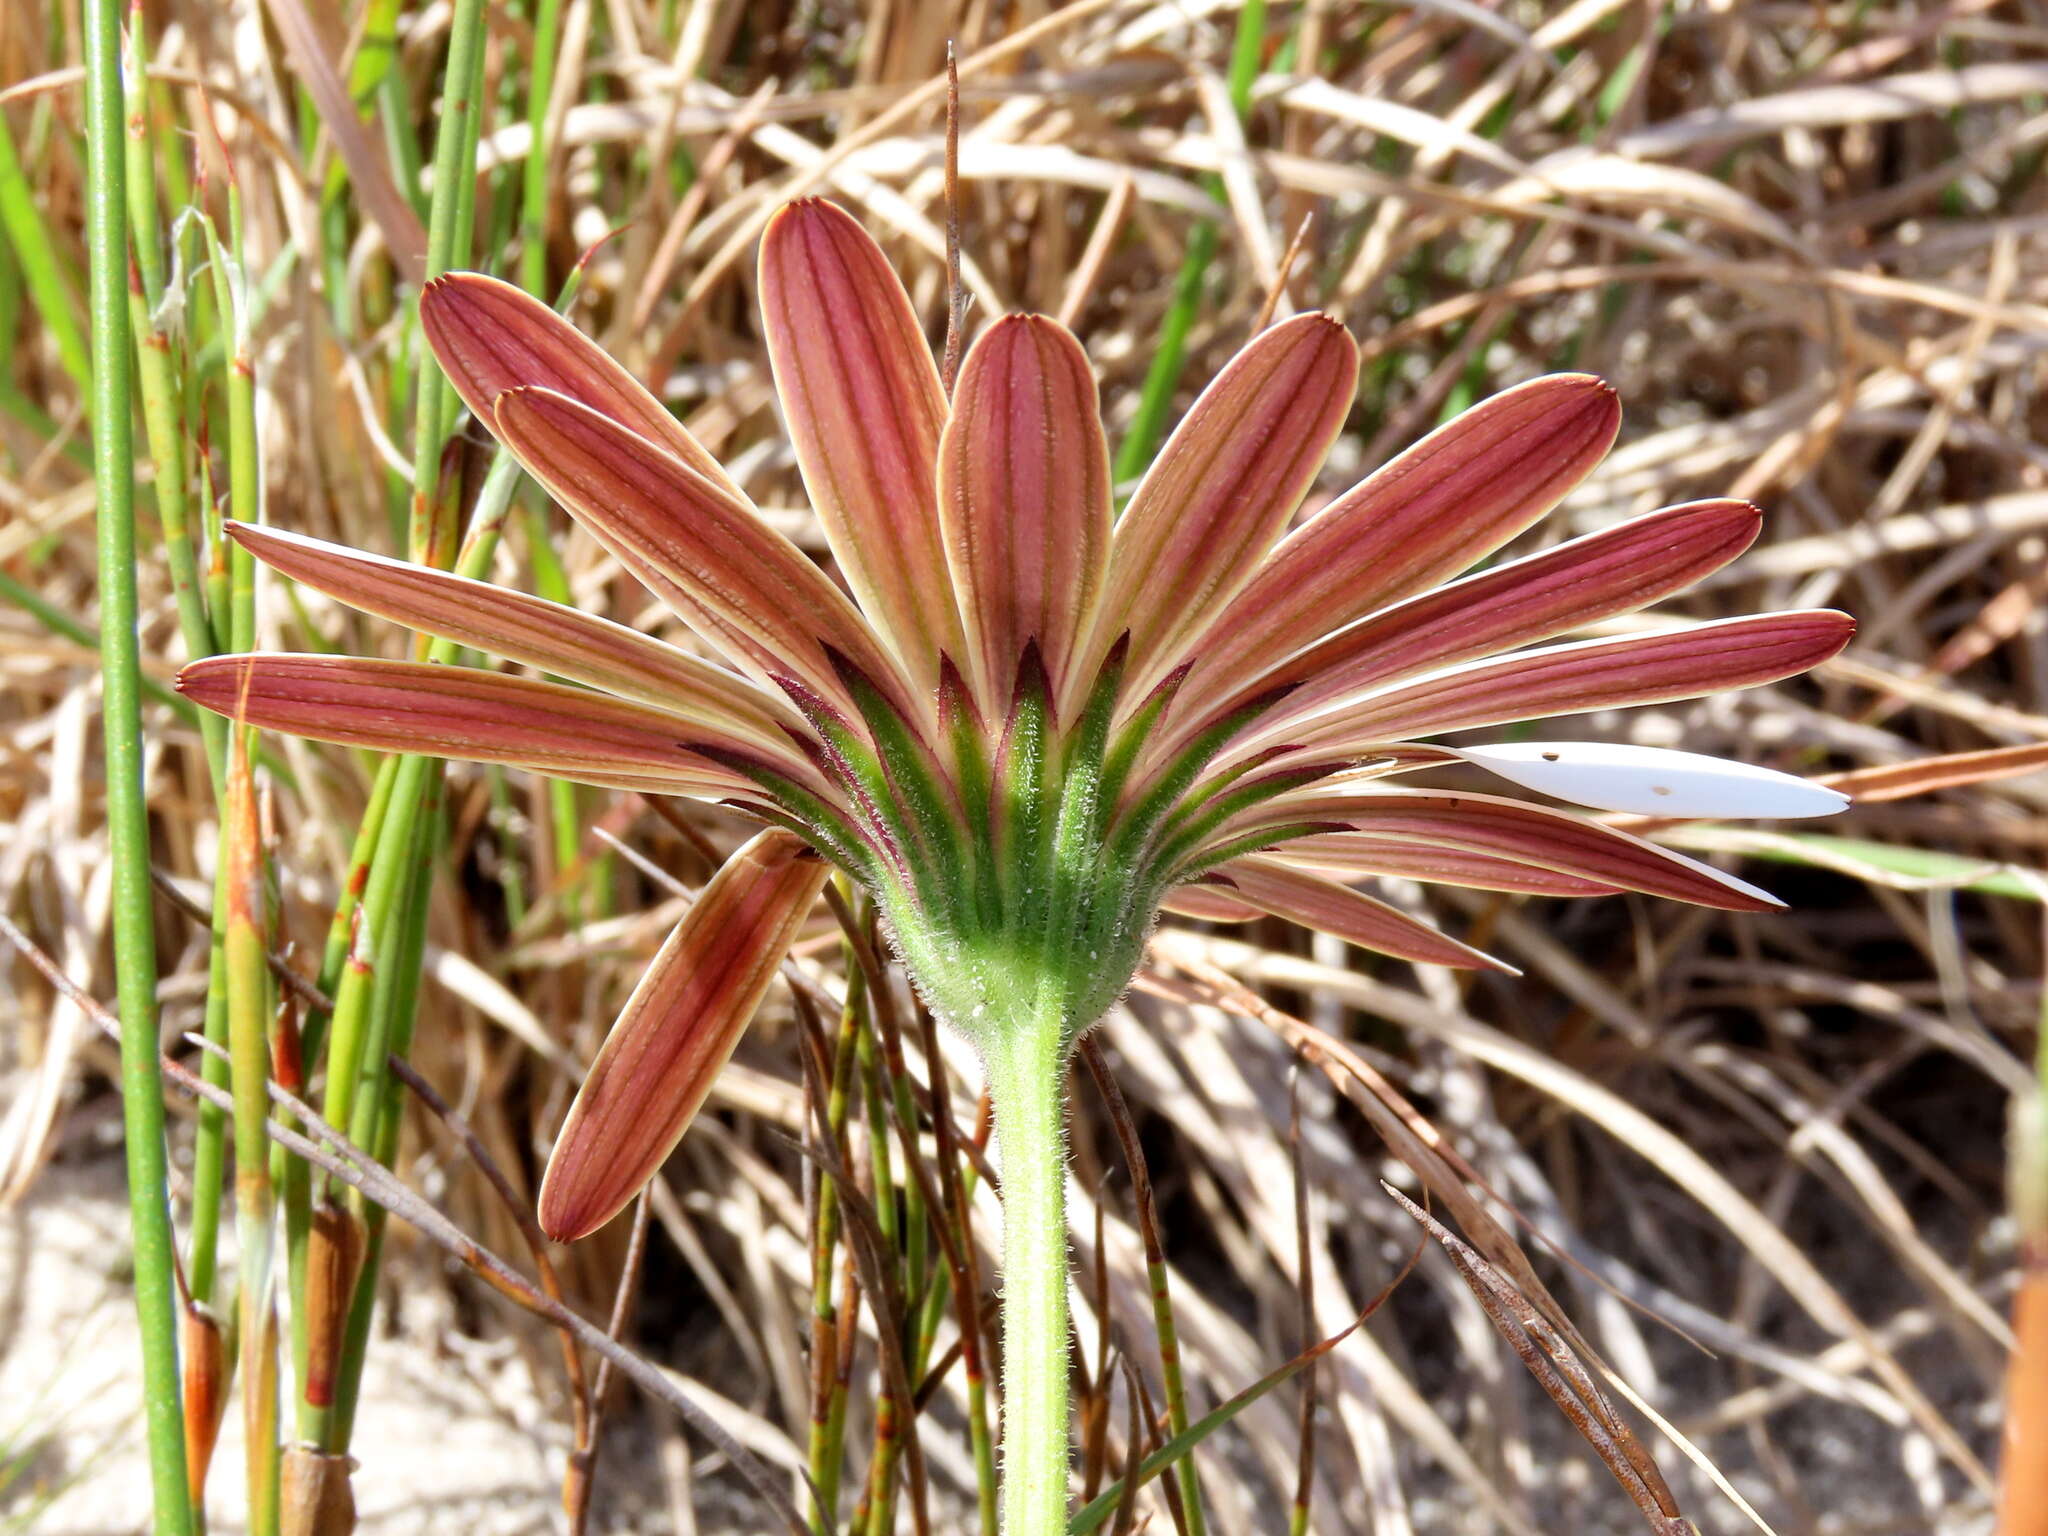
<point>865,409</point>
<point>1024,501</point>
<point>1209,904</point>
<point>477,716</point>
<point>1496,828</point>
<point>1221,490</point>
<point>738,581</point>
<point>1600,576</point>
<point>676,1032</point>
<point>526,629</point>
<point>1442,506</point>
<point>1348,855</point>
<point>491,337</point>
<point>1353,916</point>
<point>1586,675</point>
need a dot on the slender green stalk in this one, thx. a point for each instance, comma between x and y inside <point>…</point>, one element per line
<point>373,1006</point>
<point>1169,354</point>
<point>127,813</point>
<point>826,1439</point>
<point>163,415</point>
<point>401,1008</point>
<point>249,1050</point>
<point>449,217</point>
<point>533,190</point>
<point>1026,1081</point>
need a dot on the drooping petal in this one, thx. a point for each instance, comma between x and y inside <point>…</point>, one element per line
<point>1348,855</point>
<point>491,337</point>
<point>865,408</point>
<point>1439,508</point>
<point>1209,904</point>
<point>1024,501</point>
<point>1498,828</point>
<point>677,1030</point>
<point>526,629</point>
<point>1353,916</point>
<point>1587,675</point>
<point>477,716</point>
<point>739,582</point>
<point>1654,781</point>
<point>1599,576</point>
<point>1222,489</point>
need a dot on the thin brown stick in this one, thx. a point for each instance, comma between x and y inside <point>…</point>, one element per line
<point>328,1149</point>
<point>956,297</point>
<point>583,1462</point>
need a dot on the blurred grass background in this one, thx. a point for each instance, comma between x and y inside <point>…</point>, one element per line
<point>1804,240</point>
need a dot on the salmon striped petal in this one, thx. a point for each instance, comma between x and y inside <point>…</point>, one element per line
<point>1222,489</point>
<point>1209,904</point>
<point>1348,855</point>
<point>491,337</point>
<point>529,630</point>
<point>1599,576</point>
<point>1438,509</point>
<point>676,1032</point>
<point>865,409</point>
<point>476,716</point>
<point>1352,916</point>
<point>1586,675</point>
<point>743,585</point>
<point>1024,502</point>
<point>1495,827</point>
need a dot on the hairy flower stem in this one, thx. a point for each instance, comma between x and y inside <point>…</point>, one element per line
<point>1026,1078</point>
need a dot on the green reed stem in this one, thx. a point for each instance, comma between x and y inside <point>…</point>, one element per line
<point>827,1437</point>
<point>249,1050</point>
<point>127,812</point>
<point>1169,356</point>
<point>374,1007</point>
<point>449,218</point>
<point>1026,1081</point>
<point>401,1007</point>
<point>533,185</point>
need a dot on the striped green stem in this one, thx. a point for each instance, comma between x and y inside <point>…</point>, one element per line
<point>126,810</point>
<point>1026,1080</point>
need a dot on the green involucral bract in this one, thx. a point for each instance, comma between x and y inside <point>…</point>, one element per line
<point>1017,881</point>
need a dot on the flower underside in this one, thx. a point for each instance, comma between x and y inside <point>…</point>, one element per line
<point>1026,725</point>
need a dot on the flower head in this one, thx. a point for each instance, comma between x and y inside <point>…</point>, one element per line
<point>1026,724</point>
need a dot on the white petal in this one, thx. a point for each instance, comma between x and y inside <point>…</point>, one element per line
<point>1650,781</point>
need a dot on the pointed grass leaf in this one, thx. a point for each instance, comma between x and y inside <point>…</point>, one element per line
<point>865,409</point>
<point>676,1031</point>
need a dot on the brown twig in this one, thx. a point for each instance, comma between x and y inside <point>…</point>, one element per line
<point>328,1149</point>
